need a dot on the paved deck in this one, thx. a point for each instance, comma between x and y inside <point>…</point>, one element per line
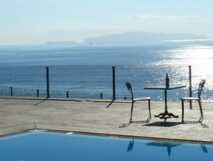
<point>17,115</point>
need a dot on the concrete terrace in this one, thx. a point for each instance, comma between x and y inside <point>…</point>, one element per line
<point>17,115</point>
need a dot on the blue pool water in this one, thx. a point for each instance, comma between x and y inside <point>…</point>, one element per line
<point>43,146</point>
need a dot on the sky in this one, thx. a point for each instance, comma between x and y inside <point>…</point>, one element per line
<point>38,21</point>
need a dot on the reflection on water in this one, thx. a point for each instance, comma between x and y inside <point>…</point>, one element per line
<point>204,148</point>
<point>130,145</point>
<point>168,146</point>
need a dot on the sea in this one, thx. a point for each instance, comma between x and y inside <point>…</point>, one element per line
<point>86,71</point>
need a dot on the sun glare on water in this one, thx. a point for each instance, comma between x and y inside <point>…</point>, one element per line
<point>201,60</point>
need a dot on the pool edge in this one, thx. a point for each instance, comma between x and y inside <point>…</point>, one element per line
<point>160,139</point>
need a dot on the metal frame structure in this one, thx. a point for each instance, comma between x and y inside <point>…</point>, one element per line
<point>198,99</point>
<point>133,100</point>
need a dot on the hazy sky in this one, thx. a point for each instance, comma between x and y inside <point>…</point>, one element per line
<point>33,21</point>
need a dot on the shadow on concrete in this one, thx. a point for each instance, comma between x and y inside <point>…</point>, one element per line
<point>124,125</point>
<point>197,122</point>
<point>110,104</point>
<point>162,123</point>
<point>204,125</point>
<point>133,122</point>
<point>40,102</point>
<point>140,122</point>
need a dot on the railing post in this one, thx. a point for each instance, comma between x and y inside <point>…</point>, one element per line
<point>37,93</point>
<point>11,91</point>
<point>67,94</point>
<point>101,95</point>
<point>113,84</point>
<point>47,82</point>
<point>190,86</point>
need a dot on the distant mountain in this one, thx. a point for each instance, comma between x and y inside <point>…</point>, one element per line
<point>122,39</point>
<point>138,38</point>
<point>61,43</point>
<point>135,39</point>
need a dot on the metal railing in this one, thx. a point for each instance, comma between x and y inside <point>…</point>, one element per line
<point>100,82</point>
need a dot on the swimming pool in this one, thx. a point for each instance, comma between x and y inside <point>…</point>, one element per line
<point>49,146</point>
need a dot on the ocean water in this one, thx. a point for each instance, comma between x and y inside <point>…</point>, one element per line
<point>85,72</point>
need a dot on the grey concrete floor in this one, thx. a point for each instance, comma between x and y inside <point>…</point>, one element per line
<point>17,115</point>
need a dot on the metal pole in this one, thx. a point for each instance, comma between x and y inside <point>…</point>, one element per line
<point>113,84</point>
<point>37,92</point>
<point>165,100</point>
<point>165,92</point>
<point>47,82</point>
<point>190,86</point>
<point>11,91</point>
<point>67,94</point>
<point>101,95</point>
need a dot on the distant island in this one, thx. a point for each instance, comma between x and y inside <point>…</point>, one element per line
<point>139,38</point>
<point>61,43</point>
<point>130,39</point>
<point>134,39</point>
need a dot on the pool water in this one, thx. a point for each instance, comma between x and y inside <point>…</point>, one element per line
<point>49,146</point>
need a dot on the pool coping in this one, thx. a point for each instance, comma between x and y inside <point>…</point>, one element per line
<point>159,139</point>
<point>29,118</point>
<point>131,137</point>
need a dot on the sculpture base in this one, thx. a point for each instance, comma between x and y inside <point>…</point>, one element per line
<point>166,115</point>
